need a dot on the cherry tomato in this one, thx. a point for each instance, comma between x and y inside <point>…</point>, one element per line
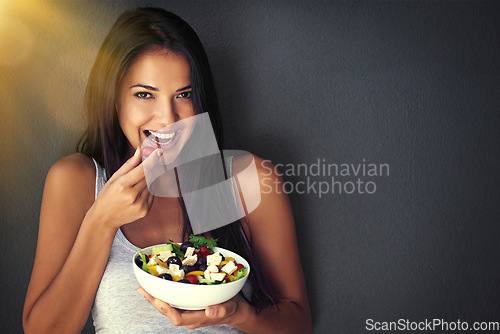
<point>192,278</point>
<point>205,251</point>
<point>239,266</point>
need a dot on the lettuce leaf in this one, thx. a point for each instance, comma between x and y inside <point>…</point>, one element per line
<point>239,274</point>
<point>202,279</point>
<point>144,262</point>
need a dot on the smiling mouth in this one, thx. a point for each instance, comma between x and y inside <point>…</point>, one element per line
<point>160,138</point>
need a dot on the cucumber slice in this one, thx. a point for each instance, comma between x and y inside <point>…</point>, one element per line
<point>157,250</point>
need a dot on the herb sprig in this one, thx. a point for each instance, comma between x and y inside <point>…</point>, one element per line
<point>200,241</point>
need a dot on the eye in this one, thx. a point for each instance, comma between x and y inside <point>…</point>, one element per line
<point>143,95</point>
<point>185,95</point>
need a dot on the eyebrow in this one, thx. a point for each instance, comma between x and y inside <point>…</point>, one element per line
<point>145,87</point>
<point>184,88</point>
<point>156,89</point>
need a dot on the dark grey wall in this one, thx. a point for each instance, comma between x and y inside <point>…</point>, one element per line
<point>408,84</point>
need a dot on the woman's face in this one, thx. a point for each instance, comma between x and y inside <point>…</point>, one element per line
<point>154,94</point>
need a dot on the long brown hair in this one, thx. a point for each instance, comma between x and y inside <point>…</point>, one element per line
<point>133,33</point>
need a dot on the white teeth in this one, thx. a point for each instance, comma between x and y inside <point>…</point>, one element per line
<point>165,136</point>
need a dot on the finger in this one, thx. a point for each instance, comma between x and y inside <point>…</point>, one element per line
<point>189,319</point>
<point>133,177</point>
<point>139,172</point>
<point>193,319</point>
<point>174,315</point>
<point>223,310</point>
<point>217,311</point>
<point>144,293</point>
<point>212,311</point>
<point>149,163</point>
<point>141,185</point>
<point>128,165</point>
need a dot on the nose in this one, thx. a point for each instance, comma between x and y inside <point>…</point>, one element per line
<point>165,113</point>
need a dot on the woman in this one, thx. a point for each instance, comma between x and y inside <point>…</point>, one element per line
<point>151,71</point>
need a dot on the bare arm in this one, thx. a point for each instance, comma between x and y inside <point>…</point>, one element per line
<point>273,239</point>
<point>74,240</point>
<point>272,236</point>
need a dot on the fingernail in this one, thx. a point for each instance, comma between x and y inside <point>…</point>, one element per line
<point>137,151</point>
<point>212,312</point>
<point>141,292</point>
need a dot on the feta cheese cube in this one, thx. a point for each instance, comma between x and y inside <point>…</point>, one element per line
<point>189,251</point>
<point>165,255</point>
<point>173,267</point>
<point>215,258</point>
<point>190,260</point>
<point>153,260</point>
<point>161,270</point>
<point>179,273</point>
<point>217,276</point>
<point>229,268</point>
<point>211,269</point>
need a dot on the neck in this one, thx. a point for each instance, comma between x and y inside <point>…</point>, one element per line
<point>163,222</point>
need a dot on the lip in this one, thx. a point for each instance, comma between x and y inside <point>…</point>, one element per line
<point>165,140</point>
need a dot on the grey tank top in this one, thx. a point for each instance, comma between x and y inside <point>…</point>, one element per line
<point>118,307</point>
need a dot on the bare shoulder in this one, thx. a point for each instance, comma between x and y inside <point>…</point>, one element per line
<point>257,181</point>
<point>72,178</point>
<point>264,168</point>
<point>76,167</point>
<point>258,177</point>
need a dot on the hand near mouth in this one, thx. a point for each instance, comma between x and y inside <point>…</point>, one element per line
<point>125,197</point>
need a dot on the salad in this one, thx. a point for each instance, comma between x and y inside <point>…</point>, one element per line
<point>194,262</point>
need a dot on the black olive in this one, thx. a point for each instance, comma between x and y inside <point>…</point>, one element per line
<point>188,268</point>
<point>203,267</point>
<point>184,281</point>
<point>174,260</point>
<point>138,261</point>
<point>201,260</point>
<point>168,277</point>
<point>185,246</point>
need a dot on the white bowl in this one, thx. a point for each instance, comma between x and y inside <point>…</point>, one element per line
<point>190,296</point>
